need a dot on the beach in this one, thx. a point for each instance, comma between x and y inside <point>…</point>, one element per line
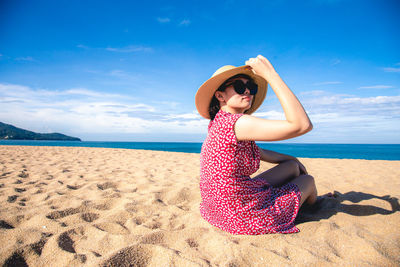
<point>72,206</point>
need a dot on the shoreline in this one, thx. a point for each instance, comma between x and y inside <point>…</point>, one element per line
<point>196,153</point>
<point>73,206</point>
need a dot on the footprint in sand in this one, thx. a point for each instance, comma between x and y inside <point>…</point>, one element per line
<point>113,228</point>
<point>106,185</point>
<point>153,225</point>
<point>40,184</point>
<point>81,257</point>
<point>96,254</point>
<point>173,224</point>
<point>63,213</point>
<point>110,194</point>
<point>138,220</point>
<point>5,225</point>
<point>19,190</point>
<point>12,198</point>
<point>131,207</point>
<point>38,246</point>
<point>89,217</point>
<point>16,259</point>
<point>183,196</point>
<point>153,238</point>
<point>103,205</point>
<point>23,174</point>
<point>236,241</point>
<point>136,255</point>
<point>159,201</point>
<point>5,174</point>
<point>66,241</point>
<point>192,243</point>
<point>74,187</point>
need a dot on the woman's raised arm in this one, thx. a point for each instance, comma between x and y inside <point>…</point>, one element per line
<point>297,122</point>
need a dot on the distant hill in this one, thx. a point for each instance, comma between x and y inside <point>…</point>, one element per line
<point>9,132</point>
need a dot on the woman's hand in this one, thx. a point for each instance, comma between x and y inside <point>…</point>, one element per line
<point>301,166</point>
<point>261,66</point>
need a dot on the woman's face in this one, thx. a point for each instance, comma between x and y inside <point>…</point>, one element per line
<point>233,102</point>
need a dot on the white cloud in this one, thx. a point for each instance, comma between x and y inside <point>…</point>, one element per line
<point>118,73</point>
<point>345,109</point>
<point>110,108</point>
<point>314,93</point>
<point>122,74</point>
<point>371,100</point>
<point>185,22</point>
<point>14,90</point>
<point>25,58</point>
<point>193,115</point>
<point>163,20</point>
<point>83,112</point>
<point>169,104</point>
<point>335,62</point>
<point>27,94</point>
<point>130,49</point>
<point>322,100</point>
<point>326,83</point>
<point>80,111</point>
<point>271,115</point>
<point>324,117</point>
<point>349,118</point>
<point>86,92</point>
<point>391,69</point>
<point>376,87</point>
<point>93,71</point>
<point>82,46</point>
<point>386,108</point>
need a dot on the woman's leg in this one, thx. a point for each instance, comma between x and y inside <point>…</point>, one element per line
<point>281,174</point>
<point>307,187</point>
<point>289,171</point>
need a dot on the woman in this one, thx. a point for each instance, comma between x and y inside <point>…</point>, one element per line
<point>231,200</point>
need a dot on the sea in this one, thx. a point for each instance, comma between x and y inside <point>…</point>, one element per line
<point>300,150</point>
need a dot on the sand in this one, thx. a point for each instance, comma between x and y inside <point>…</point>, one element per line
<point>117,207</point>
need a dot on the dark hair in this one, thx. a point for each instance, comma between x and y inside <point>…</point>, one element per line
<point>214,104</point>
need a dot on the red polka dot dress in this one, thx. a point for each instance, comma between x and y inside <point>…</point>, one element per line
<point>231,200</point>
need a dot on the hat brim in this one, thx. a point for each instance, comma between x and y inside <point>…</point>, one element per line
<point>206,91</point>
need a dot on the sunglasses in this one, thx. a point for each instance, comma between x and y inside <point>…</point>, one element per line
<point>240,86</point>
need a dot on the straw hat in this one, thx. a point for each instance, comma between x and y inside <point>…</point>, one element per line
<point>206,91</point>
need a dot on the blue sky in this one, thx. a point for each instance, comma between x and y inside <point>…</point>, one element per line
<point>129,70</point>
